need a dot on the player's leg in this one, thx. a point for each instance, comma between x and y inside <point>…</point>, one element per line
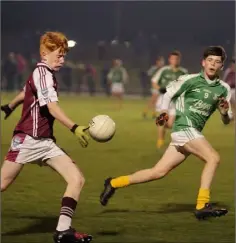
<point>9,172</point>
<point>171,158</point>
<point>160,129</point>
<point>201,148</point>
<point>151,105</point>
<point>75,181</point>
<point>120,100</point>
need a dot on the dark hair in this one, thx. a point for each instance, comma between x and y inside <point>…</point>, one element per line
<point>215,51</point>
<point>175,53</point>
<point>159,58</point>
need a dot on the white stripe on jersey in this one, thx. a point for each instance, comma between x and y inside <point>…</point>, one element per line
<point>44,84</point>
<point>33,114</point>
<point>42,80</point>
<point>36,119</point>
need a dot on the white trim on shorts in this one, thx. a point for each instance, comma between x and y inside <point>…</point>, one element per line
<point>180,138</point>
<point>26,149</point>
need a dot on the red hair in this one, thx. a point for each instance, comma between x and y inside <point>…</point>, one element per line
<point>52,41</point>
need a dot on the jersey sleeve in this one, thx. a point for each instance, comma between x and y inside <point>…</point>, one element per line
<point>157,76</point>
<point>227,96</point>
<point>125,75</point>
<point>184,70</point>
<point>150,71</point>
<point>43,81</point>
<point>110,74</point>
<point>177,87</point>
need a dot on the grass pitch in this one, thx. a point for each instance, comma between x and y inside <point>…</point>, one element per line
<point>157,212</point>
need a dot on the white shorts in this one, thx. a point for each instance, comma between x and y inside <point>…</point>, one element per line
<point>171,110</point>
<point>182,137</point>
<point>117,88</point>
<point>232,91</point>
<point>25,149</point>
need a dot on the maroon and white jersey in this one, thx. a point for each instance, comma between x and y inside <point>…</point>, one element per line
<point>229,77</point>
<point>40,89</point>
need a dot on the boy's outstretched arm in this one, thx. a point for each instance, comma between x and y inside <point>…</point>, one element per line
<point>9,108</point>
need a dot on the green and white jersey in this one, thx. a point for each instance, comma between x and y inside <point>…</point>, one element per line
<point>118,75</point>
<point>196,99</point>
<point>166,74</point>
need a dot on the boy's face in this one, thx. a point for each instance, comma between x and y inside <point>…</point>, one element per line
<point>54,59</point>
<point>160,62</point>
<point>212,65</point>
<point>174,61</point>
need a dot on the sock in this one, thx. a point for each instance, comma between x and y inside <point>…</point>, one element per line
<point>121,181</point>
<point>160,143</point>
<point>203,198</point>
<point>68,206</point>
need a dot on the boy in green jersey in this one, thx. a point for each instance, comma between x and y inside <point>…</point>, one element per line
<point>196,96</point>
<point>117,77</point>
<point>159,83</point>
<point>151,105</point>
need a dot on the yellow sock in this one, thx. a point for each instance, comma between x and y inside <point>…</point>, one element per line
<point>203,198</point>
<point>121,181</point>
<point>160,143</point>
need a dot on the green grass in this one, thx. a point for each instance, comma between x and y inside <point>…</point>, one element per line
<point>158,212</point>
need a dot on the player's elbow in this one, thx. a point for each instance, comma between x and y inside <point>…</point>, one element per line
<point>52,106</point>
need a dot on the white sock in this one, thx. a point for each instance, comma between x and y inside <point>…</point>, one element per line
<point>64,223</point>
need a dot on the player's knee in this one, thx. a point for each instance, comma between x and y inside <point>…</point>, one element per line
<point>78,180</point>
<point>159,173</point>
<point>3,186</point>
<point>214,159</point>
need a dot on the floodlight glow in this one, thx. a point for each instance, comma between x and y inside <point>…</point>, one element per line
<point>71,43</point>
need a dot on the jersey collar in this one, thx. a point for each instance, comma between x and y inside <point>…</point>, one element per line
<point>216,80</point>
<point>44,64</point>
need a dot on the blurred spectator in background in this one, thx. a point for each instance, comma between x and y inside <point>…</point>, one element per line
<point>33,61</point>
<point>21,68</point>
<point>101,50</point>
<point>90,75</point>
<point>229,78</point>
<point>104,80</point>
<point>141,50</point>
<point>140,44</point>
<point>153,47</point>
<point>144,83</point>
<point>10,71</point>
<point>66,75</point>
<point>117,77</point>
<point>79,74</point>
<point>160,62</point>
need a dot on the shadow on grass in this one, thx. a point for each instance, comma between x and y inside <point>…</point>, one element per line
<point>108,233</point>
<point>44,224</point>
<point>168,208</point>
